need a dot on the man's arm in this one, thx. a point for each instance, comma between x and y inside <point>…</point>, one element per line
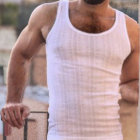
<point>27,45</point>
<point>129,85</point>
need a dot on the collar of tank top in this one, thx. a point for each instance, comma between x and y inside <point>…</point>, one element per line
<point>86,33</point>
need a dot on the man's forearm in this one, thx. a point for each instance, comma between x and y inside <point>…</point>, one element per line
<point>17,77</point>
<point>130,91</point>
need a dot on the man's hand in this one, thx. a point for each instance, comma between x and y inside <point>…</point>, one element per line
<point>15,114</point>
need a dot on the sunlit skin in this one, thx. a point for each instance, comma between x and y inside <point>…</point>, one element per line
<point>98,18</point>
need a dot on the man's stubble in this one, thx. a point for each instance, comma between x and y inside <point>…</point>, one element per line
<point>94,2</point>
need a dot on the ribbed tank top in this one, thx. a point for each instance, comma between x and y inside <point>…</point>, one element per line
<point>83,74</point>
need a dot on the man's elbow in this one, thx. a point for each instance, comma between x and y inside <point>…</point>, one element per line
<point>130,91</point>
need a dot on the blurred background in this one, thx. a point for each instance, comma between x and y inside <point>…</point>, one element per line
<point>14,15</point>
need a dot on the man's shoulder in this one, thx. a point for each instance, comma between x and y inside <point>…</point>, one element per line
<point>131,23</point>
<point>43,14</point>
<point>133,29</point>
<point>129,19</point>
<point>46,9</point>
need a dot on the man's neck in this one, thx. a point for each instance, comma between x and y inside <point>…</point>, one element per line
<point>99,9</point>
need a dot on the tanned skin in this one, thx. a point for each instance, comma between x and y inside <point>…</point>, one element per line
<point>34,36</point>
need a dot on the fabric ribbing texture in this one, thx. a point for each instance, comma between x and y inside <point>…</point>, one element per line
<point>83,74</point>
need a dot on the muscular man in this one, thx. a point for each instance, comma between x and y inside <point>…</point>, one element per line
<point>92,48</point>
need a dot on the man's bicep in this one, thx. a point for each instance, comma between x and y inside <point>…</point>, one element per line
<point>28,43</point>
<point>130,68</point>
<point>30,39</point>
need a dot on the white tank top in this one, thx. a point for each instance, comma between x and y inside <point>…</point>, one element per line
<point>83,74</point>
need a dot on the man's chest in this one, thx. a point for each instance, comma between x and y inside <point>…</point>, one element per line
<point>90,23</point>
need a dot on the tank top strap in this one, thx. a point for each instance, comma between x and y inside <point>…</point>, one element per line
<point>60,14</point>
<point>59,10</point>
<point>62,8</point>
<point>122,27</point>
<point>121,18</point>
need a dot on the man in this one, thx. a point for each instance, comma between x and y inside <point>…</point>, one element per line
<point>87,43</point>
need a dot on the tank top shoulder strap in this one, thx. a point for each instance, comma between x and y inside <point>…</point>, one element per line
<point>61,10</point>
<point>122,26</point>
<point>121,17</point>
<point>62,7</point>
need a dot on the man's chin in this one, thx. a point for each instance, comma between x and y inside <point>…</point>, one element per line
<point>94,2</point>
